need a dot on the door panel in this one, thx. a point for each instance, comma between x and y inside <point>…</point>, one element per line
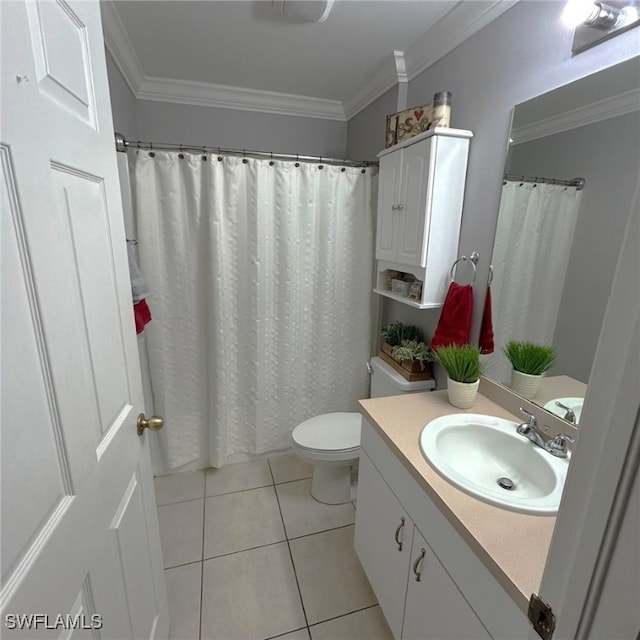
<point>412,217</point>
<point>389,194</point>
<point>79,528</point>
<point>436,609</point>
<point>61,57</point>
<point>383,542</point>
<point>135,559</point>
<point>82,206</point>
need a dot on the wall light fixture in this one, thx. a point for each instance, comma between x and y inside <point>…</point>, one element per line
<point>596,21</point>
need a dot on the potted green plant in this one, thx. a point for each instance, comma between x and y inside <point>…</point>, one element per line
<point>414,355</point>
<point>529,361</point>
<point>393,335</point>
<point>463,367</point>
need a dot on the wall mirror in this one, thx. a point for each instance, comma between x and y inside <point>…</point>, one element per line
<point>557,242</point>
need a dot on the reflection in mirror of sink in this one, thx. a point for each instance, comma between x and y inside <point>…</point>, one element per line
<point>575,404</point>
<point>474,452</point>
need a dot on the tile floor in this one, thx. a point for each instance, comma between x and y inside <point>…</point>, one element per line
<point>249,554</point>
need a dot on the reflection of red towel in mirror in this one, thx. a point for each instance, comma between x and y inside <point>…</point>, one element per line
<point>454,326</point>
<point>486,328</point>
<point>142,315</point>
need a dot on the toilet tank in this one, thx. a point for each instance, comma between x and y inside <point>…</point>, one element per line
<point>386,381</point>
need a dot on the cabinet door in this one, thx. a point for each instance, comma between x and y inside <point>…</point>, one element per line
<point>383,542</point>
<point>414,199</point>
<point>388,199</point>
<point>435,608</point>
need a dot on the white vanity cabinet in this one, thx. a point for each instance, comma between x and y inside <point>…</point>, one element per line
<point>401,534</point>
<point>420,196</point>
<point>417,596</point>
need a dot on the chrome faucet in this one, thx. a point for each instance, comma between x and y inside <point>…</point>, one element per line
<point>530,429</point>
<point>556,446</point>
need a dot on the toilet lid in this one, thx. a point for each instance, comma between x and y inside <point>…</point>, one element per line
<point>329,432</point>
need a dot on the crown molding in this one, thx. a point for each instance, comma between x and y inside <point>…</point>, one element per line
<point>464,20</point>
<point>459,24</point>
<point>205,94</point>
<point>582,116</point>
<point>119,46</point>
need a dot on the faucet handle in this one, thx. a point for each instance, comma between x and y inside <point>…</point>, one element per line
<point>570,416</point>
<point>532,421</point>
<point>558,446</point>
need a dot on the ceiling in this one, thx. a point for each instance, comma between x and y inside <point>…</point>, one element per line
<point>244,54</point>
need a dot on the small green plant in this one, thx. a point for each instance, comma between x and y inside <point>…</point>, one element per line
<point>396,332</point>
<point>413,350</point>
<point>529,357</point>
<point>462,361</point>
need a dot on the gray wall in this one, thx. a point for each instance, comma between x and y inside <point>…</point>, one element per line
<point>525,52</point>
<point>167,122</point>
<point>230,128</point>
<point>123,102</point>
<point>607,155</point>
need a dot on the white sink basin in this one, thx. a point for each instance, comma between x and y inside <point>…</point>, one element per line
<point>474,452</point>
<point>575,404</point>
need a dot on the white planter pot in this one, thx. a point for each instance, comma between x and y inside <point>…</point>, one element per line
<point>462,394</point>
<point>524,384</point>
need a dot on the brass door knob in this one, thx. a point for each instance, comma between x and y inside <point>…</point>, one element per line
<point>153,423</point>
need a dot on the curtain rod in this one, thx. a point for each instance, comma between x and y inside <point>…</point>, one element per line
<point>122,144</point>
<point>578,183</point>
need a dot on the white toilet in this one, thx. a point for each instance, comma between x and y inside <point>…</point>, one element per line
<point>331,441</point>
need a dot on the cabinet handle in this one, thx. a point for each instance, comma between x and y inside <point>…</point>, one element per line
<point>397,535</point>
<point>416,563</point>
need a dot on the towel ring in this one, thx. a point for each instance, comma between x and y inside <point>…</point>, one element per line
<point>490,275</point>
<point>455,264</point>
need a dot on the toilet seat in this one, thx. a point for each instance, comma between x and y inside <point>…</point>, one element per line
<point>330,432</point>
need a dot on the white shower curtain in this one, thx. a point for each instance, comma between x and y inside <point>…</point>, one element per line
<point>261,278</point>
<point>530,257</point>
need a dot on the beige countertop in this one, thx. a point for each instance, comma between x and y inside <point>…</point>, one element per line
<point>513,546</point>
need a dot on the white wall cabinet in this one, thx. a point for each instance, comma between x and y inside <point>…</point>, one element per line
<point>400,535</point>
<point>418,598</point>
<point>420,196</point>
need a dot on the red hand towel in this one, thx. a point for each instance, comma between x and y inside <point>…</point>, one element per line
<point>486,329</point>
<point>142,315</point>
<point>454,326</point>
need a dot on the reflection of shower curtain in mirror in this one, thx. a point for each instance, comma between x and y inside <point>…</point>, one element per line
<point>261,278</point>
<point>530,258</point>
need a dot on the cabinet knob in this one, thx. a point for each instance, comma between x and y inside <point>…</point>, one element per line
<point>399,207</point>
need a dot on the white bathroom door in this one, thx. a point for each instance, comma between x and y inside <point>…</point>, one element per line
<point>80,549</point>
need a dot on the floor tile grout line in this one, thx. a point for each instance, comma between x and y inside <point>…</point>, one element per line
<point>204,523</point>
<point>273,478</point>
<point>228,493</point>
<point>286,633</point>
<point>233,553</point>
<point>343,615</point>
<point>169,504</point>
<point>293,564</point>
<point>315,533</point>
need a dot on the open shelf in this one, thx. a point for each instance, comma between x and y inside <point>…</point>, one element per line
<point>412,303</point>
